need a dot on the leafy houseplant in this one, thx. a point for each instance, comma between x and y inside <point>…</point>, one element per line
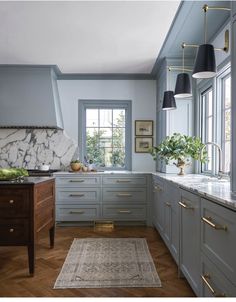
<point>180,148</point>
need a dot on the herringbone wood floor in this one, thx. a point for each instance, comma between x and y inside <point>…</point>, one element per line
<point>15,281</point>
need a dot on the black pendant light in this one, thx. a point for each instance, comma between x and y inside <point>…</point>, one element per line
<point>169,101</point>
<point>205,63</point>
<point>183,86</point>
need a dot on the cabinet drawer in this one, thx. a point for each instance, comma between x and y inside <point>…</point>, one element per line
<point>214,283</point>
<point>77,213</point>
<point>14,203</point>
<point>124,212</point>
<point>78,181</point>
<point>69,196</point>
<point>125,180</point>
<point>14,231</point>
<point>218,227</point>
<point>124,195</point>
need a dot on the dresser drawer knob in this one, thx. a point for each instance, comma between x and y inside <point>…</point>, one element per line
<point>11,201</point>
<point>11,230</point>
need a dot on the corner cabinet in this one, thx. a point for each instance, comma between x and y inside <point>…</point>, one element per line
<point>81,197</point>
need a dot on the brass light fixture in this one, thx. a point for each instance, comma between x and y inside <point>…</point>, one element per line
<point>205,65</point>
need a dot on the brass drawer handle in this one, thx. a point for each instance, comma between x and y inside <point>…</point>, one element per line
<point>76,212</point>
<point>214,293</point>
<point>185,206</point>
<point>11,201</point>
<point>76,195</point>
<point>158,188</point>
<point>124,211</point>
<point>124,195</point>
<point>123,181</point>
<point>208,220</point>
<point>168,204</point>
<point>11,230</point>
<point>78,180</point>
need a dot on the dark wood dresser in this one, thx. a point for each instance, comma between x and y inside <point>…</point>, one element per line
<point>26,209</point>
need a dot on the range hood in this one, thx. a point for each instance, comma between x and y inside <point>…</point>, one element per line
<point>29,98</point>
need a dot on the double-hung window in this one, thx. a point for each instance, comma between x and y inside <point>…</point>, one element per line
<point>215,120</point>
<point>105,133</point>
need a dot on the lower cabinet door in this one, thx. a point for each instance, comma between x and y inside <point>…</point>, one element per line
<point>77,213</point>
<point>190,239</point>
<point>214,283</point>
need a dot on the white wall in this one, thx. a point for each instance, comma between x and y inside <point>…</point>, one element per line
<point>141,92</point>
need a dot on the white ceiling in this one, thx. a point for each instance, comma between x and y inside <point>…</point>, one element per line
<point>85,36</point>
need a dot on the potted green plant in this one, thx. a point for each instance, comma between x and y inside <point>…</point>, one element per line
<point>75,165</point>
<point>180,148</point>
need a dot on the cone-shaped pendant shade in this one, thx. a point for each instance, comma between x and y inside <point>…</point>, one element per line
<point>168,101</point>
<point>205,64</point>
<point>183,86</point>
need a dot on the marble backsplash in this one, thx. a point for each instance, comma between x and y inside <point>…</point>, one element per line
<point>30,148</point>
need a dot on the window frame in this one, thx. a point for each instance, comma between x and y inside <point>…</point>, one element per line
<point>106,104</point>
<point>217,87</point>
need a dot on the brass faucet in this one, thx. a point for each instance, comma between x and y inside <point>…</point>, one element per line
<point>220,172</point>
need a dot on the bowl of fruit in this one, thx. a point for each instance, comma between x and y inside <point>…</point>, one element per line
<point>75,165</point>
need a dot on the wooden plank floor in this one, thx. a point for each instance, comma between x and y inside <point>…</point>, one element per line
<point>15,281</point>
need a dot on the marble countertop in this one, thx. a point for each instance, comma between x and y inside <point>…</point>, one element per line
<point>208,187</point>
<point>27,181</point>
<point>101,172</point>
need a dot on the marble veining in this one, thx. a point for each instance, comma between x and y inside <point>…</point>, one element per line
<point>29,148</point>
<point>208,187</point>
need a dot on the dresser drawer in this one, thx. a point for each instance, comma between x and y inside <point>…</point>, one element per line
<point>124,195</point>
<point>124,180</point>
<point>14,231</point>
<point>77,213</point>
<point>218,228</point>
<point>124,212</point>
<point>14,203</point>
<point>78,181</point>
<point>214,283</point>
<point>77,195</point>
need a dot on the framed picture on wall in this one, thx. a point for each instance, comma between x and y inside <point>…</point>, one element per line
<point>143,144</point>
<point>143,128</point>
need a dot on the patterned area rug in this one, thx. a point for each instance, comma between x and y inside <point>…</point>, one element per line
<point>108,262</point>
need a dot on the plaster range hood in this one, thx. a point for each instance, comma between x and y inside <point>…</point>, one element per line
<point>29,97</point>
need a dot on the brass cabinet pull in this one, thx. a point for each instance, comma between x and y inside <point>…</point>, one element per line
<point>11,230</point>
<point>185,206</point>
<point>214,293</point>
<point>158,188</point>
<point>168,204</point>
<point>11,201</point>
<point>208,220</point>
<point>76,195</point>
<point>122,180</point>
<point>124,195</point>
<point>77,180</point>
<point>76,212</point>
<point>124,211</point>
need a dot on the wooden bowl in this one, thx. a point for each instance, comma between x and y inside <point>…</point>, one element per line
<point>75,166</point>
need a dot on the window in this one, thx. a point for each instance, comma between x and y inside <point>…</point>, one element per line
<point>226,122</point>
<point>207,126</point>
<point>215,119</point>
<point>105,133</point>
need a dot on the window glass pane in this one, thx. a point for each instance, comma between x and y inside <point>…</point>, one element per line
<point>210,102</point>
<point>227,124</point>
<point>105,117</point>
<point>227,90</point>
<point>92,117</point>
<point>227,157</point>
<point>118,157</point>
<point>93,145</point>
<point>106,132</point>
<point>106,157</point>
<point>209,129</point>
<point>118,137</point>
<point>118,118</point>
